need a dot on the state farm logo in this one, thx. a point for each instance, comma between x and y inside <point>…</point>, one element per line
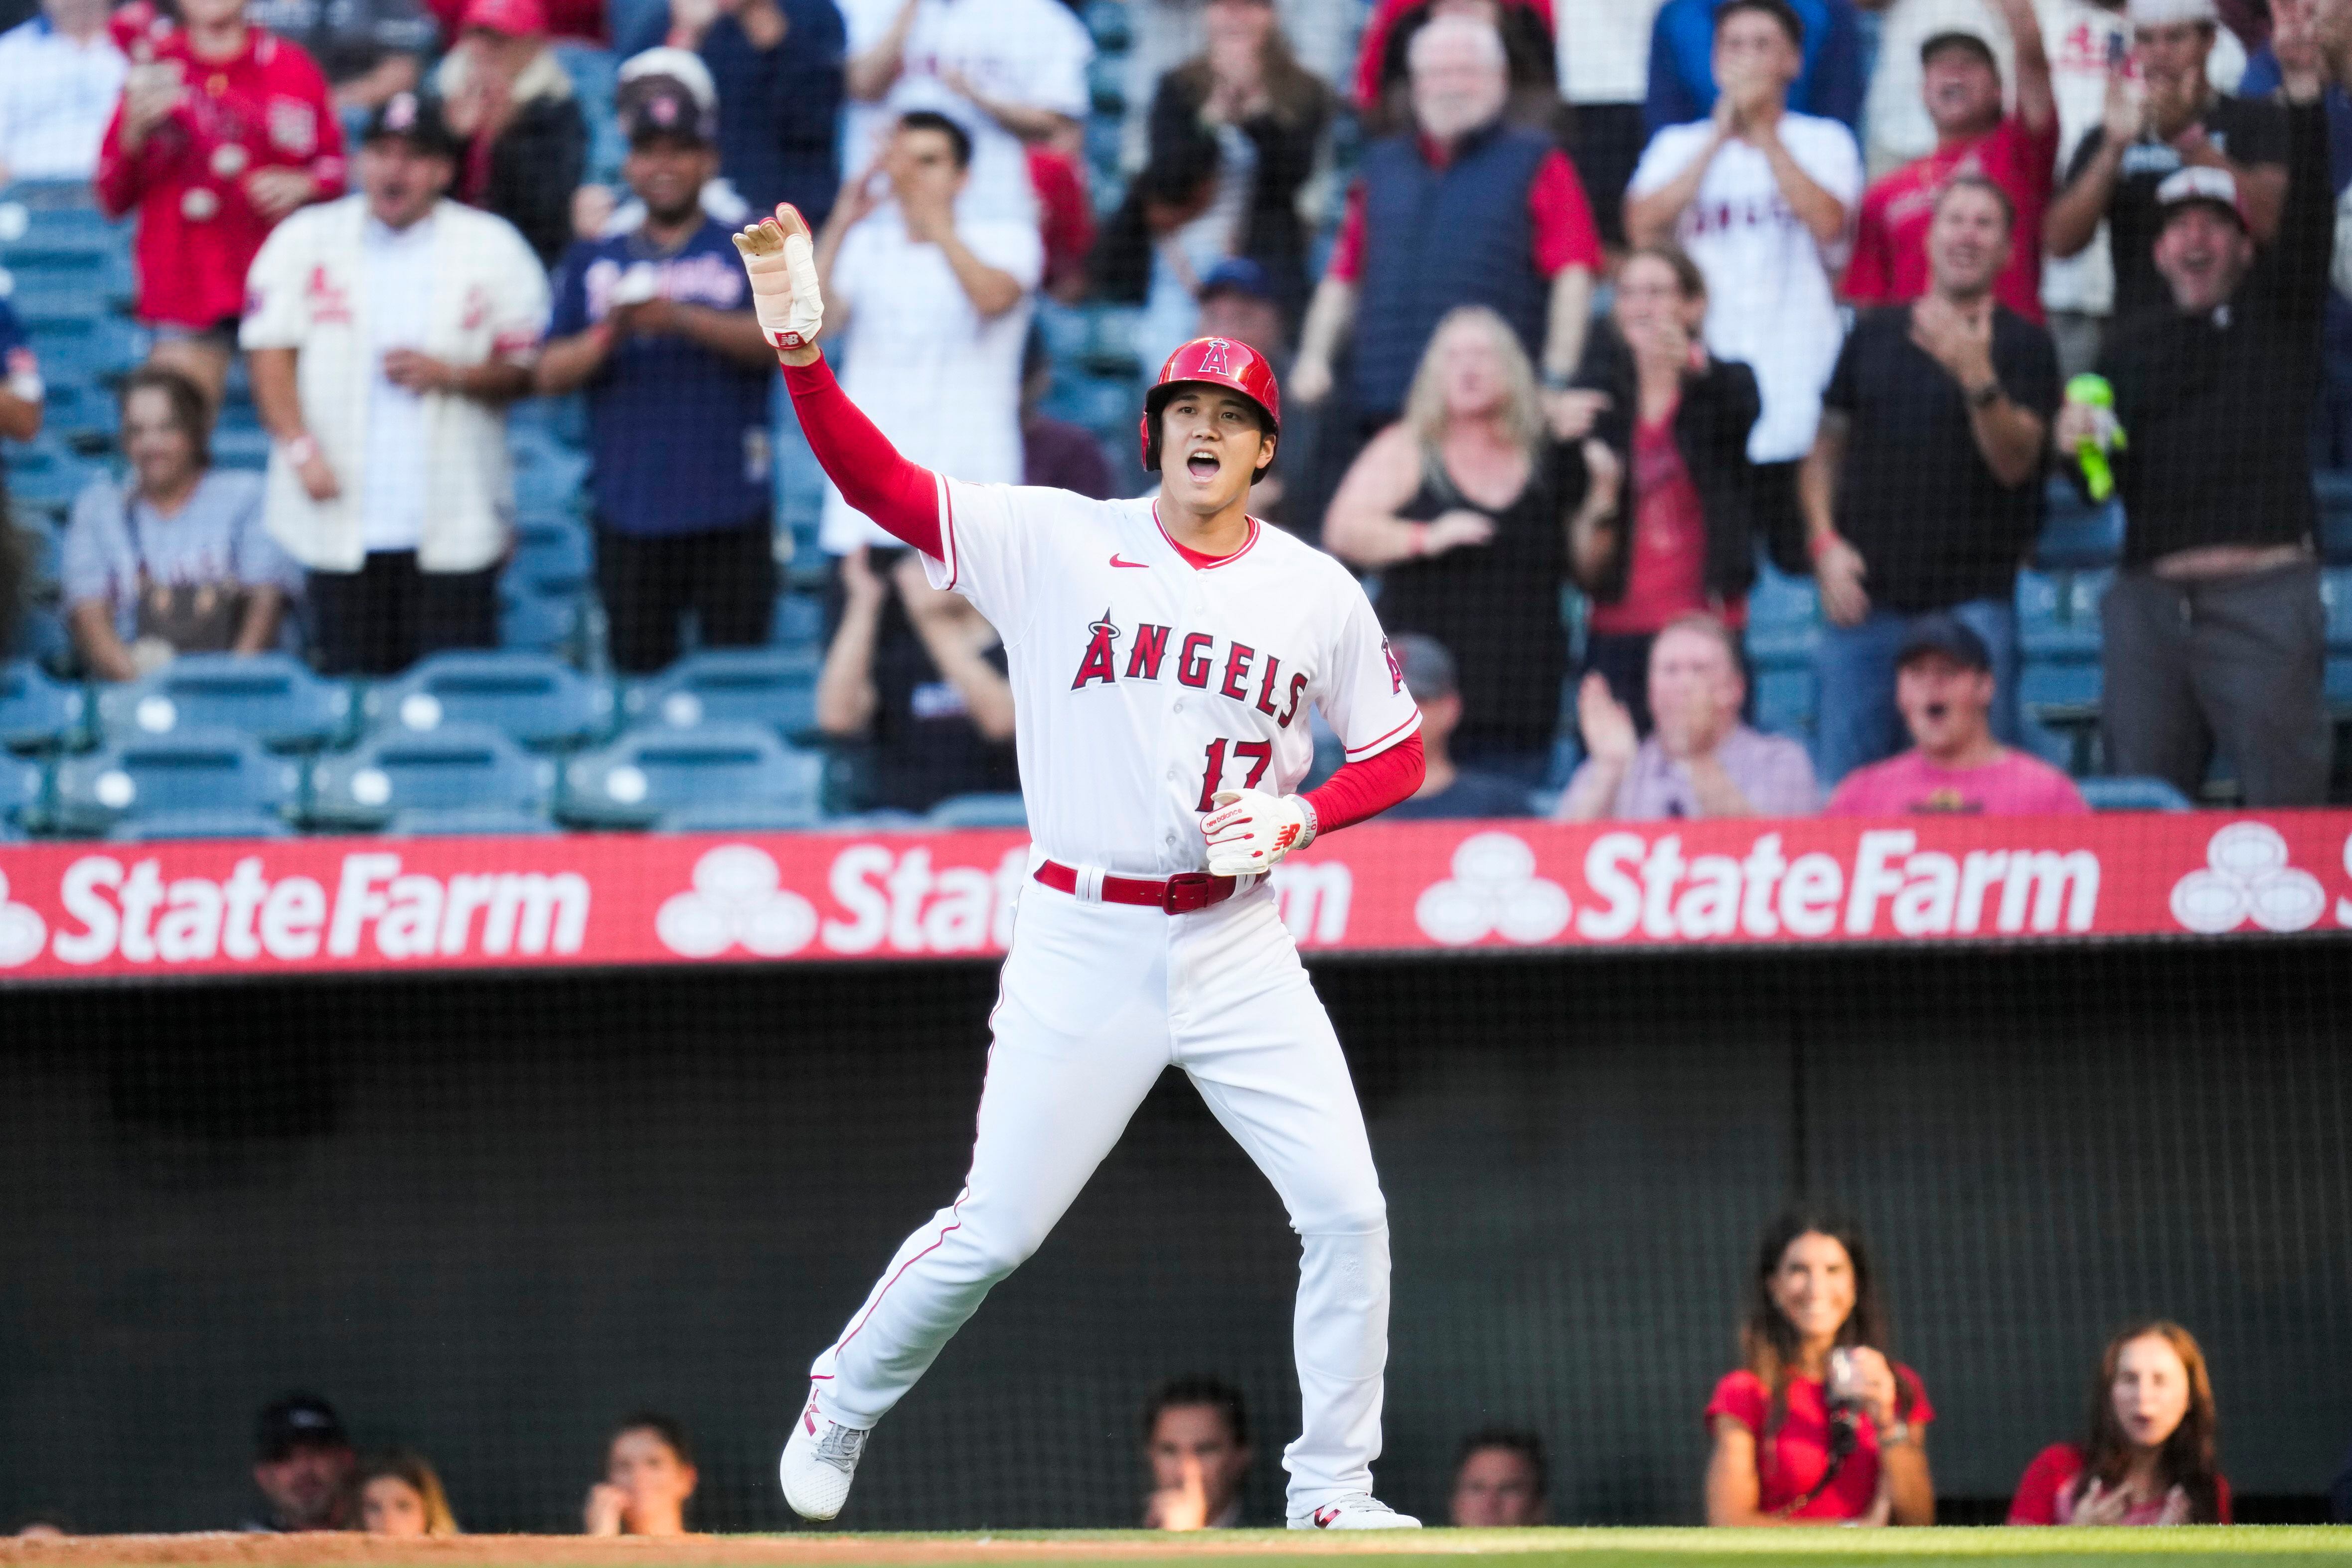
<point>738,900</point>
<point>22,930</point>
<point>1495,891</point>
<point>2246,877</point>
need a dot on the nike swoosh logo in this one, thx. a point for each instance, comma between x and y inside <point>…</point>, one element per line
<point>1137,566</point>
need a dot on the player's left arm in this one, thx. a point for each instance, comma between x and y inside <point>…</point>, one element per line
<point>1364,698</point>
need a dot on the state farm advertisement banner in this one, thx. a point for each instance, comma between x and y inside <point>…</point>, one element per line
<point>328,905</point>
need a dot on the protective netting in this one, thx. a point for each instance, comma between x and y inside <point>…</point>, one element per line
<point>487,1218</point>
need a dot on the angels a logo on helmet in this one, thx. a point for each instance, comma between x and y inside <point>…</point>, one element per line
<point>1214,352</point>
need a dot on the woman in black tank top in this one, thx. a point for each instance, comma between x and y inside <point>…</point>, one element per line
<point>1482,579</point>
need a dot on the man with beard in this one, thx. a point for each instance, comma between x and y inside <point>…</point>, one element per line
<point>656,324</point>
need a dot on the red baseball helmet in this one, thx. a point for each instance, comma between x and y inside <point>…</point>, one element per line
<point>1212,361</point>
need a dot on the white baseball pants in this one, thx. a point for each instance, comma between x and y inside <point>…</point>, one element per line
<point>1097,1000</point>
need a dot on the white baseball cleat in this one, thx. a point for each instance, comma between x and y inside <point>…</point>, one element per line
<point>819,1463</point>
<point>1358,1511</point>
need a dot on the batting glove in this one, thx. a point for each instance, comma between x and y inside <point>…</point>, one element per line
<point>1252,831</point>
<point>781,261</point>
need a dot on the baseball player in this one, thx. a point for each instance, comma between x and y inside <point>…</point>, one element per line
<point>1164,654</point>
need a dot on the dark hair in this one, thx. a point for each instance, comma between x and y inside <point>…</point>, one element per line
<point>1781,11</point>
<point>2189,1459</point>
<point>1180,1392</point>
<point>1688,278</point>
<point>1987,185</point>
<point>1515,1439</point>
<point>1295,96</point>
<point>662,1426</point>
<point>190,410</point>
<point>959,139</point>
<point>1768,1340</point>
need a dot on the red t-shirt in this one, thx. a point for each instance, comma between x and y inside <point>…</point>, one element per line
<point>1791,1461</point>
<point>1560,217</point>
<point>1665,574</point>
<point>2046,1492</point>
<point>266,108</point>
<point>1890,246</point>
<point>1909,785</point>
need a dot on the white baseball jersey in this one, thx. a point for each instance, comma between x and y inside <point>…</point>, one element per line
<point>1142,684</point>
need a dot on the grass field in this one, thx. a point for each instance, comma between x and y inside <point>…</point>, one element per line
<point>2271,1546</point>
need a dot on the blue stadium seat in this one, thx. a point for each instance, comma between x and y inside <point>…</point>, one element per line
<point>78,412</point>
<point>1005,810</point>
<point>83,347</point>
<point>169,825</point>
<point>48,278</point>
<point>2336,599</point>
<point>2339,683</point>
<point>2058,614</point>
<point>768,686</point>
<point>444,780</point>
<point>539,623</point>
<point>36,712</point>
<point>2076,535</point>
<point>553,555</point>
<point>272,696</point>
<point>2332,488</point>
<point>1567,757</point>
<point>245,449</point>
<point>47,473</point>
<point>530,698</point>
<point>1112,29</point>
<point>470,822</point>
<point>2132,795</point>
<point>798,623</point>
<point>21,779</point>
<point>722,776</point>
<point>2060,691</point>
<point>197,783</point>
<point>1783,619</point>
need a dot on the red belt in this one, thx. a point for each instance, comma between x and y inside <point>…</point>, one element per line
<point>1179,895</point>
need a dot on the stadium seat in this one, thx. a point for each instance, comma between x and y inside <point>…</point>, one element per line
<point>38,714</point>
<point>553,555</point>
<point>47,473</point>
<point>768,686</point>
<point>2336,599</point>
<point>798,623</point>
<point>2132,795</point>
<point>2058,614</point>
<point>541,623</point>
<point>199,783</point>
<point>452,775</point>
<point>2332,488</point>
<point>1005,810</point>
<point>168,825</point>
<point>21,779</point>
<point>532,700</point>
<point>272,696</point>
<point>470,822</point>
<point>1112,29</point>
<point>2076,535</point>
<point>722,774</point>
<point>83,347</point>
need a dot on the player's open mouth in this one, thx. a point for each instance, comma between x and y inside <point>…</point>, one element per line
<point>1203,464</point>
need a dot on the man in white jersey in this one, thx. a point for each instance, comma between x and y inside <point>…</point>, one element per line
<point>1163,653</point>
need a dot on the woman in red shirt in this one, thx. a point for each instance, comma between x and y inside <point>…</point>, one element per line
<point>2150,1457</point>
<point>1818,1426</point>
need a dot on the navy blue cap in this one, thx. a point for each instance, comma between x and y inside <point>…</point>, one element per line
<point>1947,634</point>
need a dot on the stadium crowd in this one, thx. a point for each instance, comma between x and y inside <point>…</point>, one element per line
<point>1816,1424</point>
<point>1743,407</point>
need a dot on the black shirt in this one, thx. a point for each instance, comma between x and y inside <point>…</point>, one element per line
<point>2216,408</point>
<point>1471,795</point>
<point>926,747</point>
<point>2246,131</point>
<point>1915,495</point>
<point>1494,607</point>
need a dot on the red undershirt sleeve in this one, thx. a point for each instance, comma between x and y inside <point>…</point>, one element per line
<point>1365,789</point>
<point>872,477</point>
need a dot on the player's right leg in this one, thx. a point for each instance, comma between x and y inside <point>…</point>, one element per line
<point>1081,1035</point>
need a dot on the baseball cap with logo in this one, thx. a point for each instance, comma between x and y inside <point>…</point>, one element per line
<point>1967,38</point>
<point>2200,183</point>
<point>295,1422</point>
<point>415,120</point>
<point>2171,13</point>
<point>667,91</point>
<point>1946,634</point>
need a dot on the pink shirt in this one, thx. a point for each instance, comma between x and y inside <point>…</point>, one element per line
<point>1666,575</point>
<point>1910,785</point>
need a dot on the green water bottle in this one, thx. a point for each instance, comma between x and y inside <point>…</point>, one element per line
<point>2091,451</point>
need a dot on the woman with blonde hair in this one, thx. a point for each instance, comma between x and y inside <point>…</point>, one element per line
<point>400,1495</point>
<point>1458,507</point>
<point>2150,1458</point>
